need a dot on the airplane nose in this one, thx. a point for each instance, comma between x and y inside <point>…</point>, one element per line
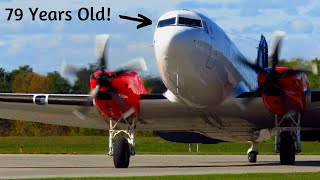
<point>170,42</point>
<point>182,54</point>
<point>182,46</point>
<point>178,40</point>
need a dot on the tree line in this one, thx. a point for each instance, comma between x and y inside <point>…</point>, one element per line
<point>25,80</point>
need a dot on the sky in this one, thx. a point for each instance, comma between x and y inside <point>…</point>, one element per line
<point>45,45</point>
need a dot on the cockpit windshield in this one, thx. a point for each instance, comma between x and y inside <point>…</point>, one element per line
<point>190,22</point>
<point>167,22</point>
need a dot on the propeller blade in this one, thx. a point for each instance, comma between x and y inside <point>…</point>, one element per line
<point>123,105</point>
<point>292,72</point>
<point>253,66</point>
<point>255,93</point>
<point>73,71</point>
<point>102,50</point>
<point>304,68</point>
<point>259,90</point>
<point>81,112</point>
<point>278,37</point>
<point>308,67</point>
<point>94,92</point>
<point>314,69</point>
<point>128,113</point>
<point>69,69</point>
<point>135,65</point>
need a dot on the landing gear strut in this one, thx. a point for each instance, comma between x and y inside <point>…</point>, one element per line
<point>121,148</point>
<point>287,132</point>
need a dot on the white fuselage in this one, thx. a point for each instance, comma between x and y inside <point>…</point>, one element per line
<point>197,61</point>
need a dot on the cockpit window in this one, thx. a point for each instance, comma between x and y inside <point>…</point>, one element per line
<point>189,22</point>
<point>167,22</point>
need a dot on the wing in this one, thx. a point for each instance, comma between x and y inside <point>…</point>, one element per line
<point>228,122</point>
<point>49,109</point>
<point>156,113</point>
<point>309,119</point>
<point>237,119</point>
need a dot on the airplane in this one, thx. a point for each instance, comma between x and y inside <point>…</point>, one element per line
<point>214,95</point>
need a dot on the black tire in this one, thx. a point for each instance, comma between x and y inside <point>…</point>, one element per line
<point>287,149</point>
<point>252,157</point>
<point>121,153</point>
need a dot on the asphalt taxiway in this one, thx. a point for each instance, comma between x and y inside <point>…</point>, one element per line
<point>39,166</point>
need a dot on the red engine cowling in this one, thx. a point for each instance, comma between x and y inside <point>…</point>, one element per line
<point>129,86</point>
<point>294,96</point>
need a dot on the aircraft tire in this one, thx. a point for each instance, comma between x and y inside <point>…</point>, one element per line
<point>252,157</point>
<point>287,148</point>
<point>121,153</point>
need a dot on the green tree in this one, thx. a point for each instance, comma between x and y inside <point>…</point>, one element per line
<point>30,83</point>
<point>4,81</point>
<point>59,85</point>
<point>21,70</point>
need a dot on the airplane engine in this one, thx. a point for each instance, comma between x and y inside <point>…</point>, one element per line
<point>285,94</point>
<point>117,95</point>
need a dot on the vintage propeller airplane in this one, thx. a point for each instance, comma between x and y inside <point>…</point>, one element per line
<point>214,95</point>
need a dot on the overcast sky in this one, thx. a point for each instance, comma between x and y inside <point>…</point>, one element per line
<point>45,45</point>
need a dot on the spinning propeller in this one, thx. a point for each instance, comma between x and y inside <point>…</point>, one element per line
<point>104,79</point>
<point>271,85</point>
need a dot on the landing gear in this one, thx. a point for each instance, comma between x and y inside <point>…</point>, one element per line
<point>288,137</point>
<point>121,154</point>
<point>123,147</point>
<point>253,153</point>
<point>252,157</point>
<point>287,148</point>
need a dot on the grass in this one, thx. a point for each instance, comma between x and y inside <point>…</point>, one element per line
<point>145,145</point>
<point>273,176</point>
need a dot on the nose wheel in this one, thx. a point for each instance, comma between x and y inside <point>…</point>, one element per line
<point>253,153</point>
<point>252,157</point>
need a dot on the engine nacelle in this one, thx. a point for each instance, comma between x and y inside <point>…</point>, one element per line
<point>287,95</point>
<point>128,86</point>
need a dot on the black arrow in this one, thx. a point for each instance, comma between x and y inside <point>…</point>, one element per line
<point>145,21</point>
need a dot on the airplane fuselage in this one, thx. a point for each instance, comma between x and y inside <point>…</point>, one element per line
<point>197,61</point>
